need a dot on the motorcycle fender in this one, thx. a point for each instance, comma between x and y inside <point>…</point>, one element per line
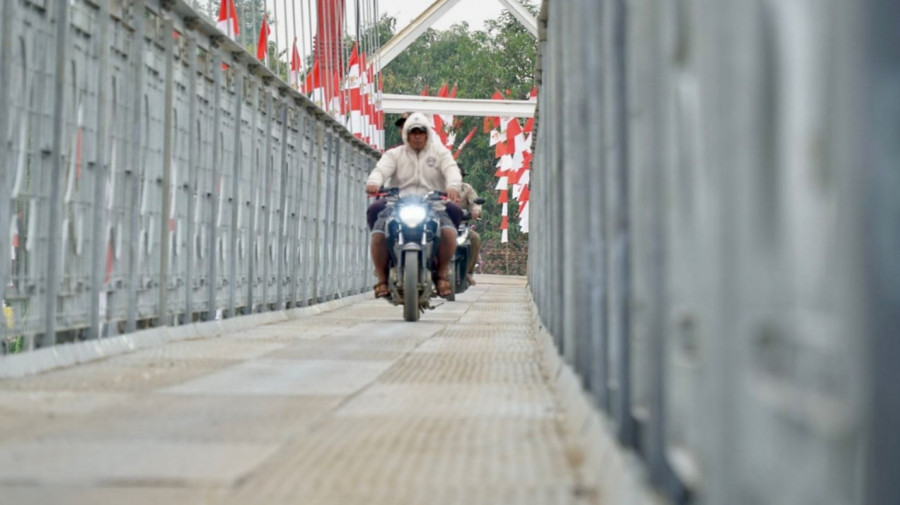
<point>412,247</point>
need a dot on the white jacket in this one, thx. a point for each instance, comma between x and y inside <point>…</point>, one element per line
<point>431,169</point>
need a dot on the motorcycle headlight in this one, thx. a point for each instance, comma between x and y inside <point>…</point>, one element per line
<point>460,240</point>
<point>412,215</point>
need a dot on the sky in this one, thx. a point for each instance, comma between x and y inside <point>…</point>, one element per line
<point>473,11</point>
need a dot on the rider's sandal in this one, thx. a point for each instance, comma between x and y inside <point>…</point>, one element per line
<point>443,287</point>
<point>381,290</point>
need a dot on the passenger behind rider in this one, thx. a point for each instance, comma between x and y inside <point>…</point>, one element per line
<point>467,196</point>
<point>417,167</point>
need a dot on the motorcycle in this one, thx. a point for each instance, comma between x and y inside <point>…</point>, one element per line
<point>460,261</point>
<point>413,233</point>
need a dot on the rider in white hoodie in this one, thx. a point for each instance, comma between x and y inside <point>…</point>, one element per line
<point>418,166</point>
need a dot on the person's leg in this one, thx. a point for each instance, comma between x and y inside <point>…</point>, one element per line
<point>380,256</point>
<point>455,213</point>
<point>474,250</point>
<point>445,253</point>
<point>372,212</point>
<point>379,247</point>
<point>449,224</point>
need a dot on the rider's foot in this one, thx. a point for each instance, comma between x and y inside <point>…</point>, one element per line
<point>381,290</point>
<point>443,287</point>
<point>471,279</point>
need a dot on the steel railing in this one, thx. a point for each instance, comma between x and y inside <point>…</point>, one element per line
<point>714,242</point>
<point>154,173</point>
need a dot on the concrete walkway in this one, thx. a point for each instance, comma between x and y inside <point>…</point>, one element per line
<point>352,406</point>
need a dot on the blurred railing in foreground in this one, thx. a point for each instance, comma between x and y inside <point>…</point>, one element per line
<point>715,239</point>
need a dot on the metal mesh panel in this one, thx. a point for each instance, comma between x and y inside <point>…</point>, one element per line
<point>249,165</point>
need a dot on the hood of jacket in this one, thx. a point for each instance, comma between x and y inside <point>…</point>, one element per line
<point>417,119</point>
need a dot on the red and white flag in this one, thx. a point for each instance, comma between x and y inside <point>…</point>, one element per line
<point>296,65</point>
<point>352,84</point>
<point>228,20</point>
<point>379,114</point>
<point>262,44</point>
<point>464,142</point>
<point>313,87</point>
<point>337,105</point>
<point>504,223</point>
<point>14,236</point>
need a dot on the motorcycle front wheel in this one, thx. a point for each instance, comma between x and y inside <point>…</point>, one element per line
<point>411,286</point>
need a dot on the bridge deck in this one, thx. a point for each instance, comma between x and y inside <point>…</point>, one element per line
<point>352,406</point>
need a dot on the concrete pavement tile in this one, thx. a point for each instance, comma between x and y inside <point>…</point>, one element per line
<point>286,377</point>
<point>106,376</point>
<point>451,401</point>
<point>206,419</point>
<point>126,495</point>
<point>134,463</point>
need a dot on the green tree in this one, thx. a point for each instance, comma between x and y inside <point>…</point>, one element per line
<point>250,15</point>
<point>501,57</point>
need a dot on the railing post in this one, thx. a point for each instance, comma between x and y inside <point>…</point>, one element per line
<point>267,201</point>
<point>334,256</point>
<point>254,205</point>
<point>101,175</point>
<point>193,177</point>
<point>215,189</point>
<point>881,242</point>
<point>6,47</point>
<point>135,172</point>
<point>54,203</point>
<point>317,242</point>
<point>235,182</point>
<point>282,211</point>
<point>164,233</point>
<point>621,245</point>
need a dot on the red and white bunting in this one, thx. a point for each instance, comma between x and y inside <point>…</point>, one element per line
<point>228,20</point>
<point>513,149</point>
<point>504,223</point>
<point>379,115</point>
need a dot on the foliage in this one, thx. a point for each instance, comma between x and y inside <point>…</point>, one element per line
<point>502,57</point>
<point>250,14</point>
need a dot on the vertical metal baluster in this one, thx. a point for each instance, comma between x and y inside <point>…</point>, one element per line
<point>282,209</point>
<point>193,177</point>
<point>135,172</point>
<point>327,270</point>
<point>102,173</point>
<point>333,257</point>
<point>621,246</point>
<point>169,114</point>
<point>54,203</point>
<point>881,262</point>
<point>214,189</point>
<point>235,181</point>
<point>297,209</point>
<point>251,196</point>
<point>267,199</point>
<point>318,220</point>
<point>7,13</point>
